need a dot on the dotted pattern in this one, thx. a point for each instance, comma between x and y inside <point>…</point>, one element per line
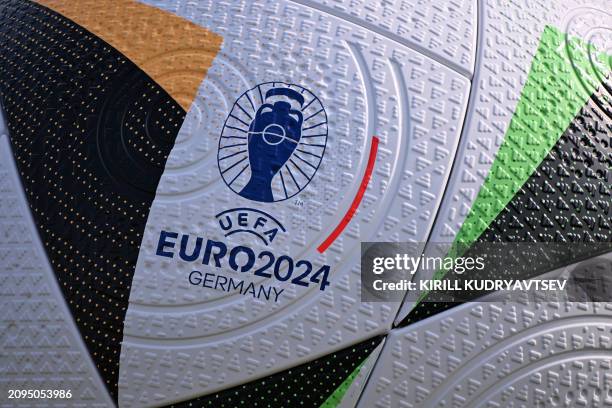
<point>174,52</point>
<point>508,42</point>
<point>337,396</point>
<point>41,346</point>
<point>90,133</point>
<point>550,99</point>
<point>568,197</point>
<point>307,385</point>
<point>182,342</point>
<point>566,200</point>
<point>352,394</point>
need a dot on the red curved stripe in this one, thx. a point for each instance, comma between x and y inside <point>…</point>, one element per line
<point>356,201</point>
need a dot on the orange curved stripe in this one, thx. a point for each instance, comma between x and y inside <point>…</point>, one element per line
<point>174,52</point>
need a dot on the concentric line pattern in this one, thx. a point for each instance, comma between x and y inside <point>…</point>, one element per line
<point>307,385</point>
<point>516,353</point>
<point>369,85</point>
<point>563,70</point>
<point>40,345</point>
<point>550,99</point>
<point>172,51</point>
<point>91,133</point>
<point>566,200</point>
<point>444,30</point>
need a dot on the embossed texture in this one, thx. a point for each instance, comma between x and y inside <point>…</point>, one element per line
<point>369,85</point>
<point>174,52</point>
<point>306,385</point>
<point>566,200</point>
<point>549,101</point>
<point>347,394</point>
<point>394,69</point>
<point>90,133</point>
<point>516,353</point>
<point>570,72</point>
<point>442,30</point>
<point>40,344</point>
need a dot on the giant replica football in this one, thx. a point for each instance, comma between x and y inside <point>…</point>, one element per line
<point>186,188</point>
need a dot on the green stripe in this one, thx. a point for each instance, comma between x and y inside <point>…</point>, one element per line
<point>555,90</point>
<point>336,397</point>
<point>552,96</point>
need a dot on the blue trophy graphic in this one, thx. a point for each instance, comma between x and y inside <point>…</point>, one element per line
<point>273,136</point>
<point>273,141</point>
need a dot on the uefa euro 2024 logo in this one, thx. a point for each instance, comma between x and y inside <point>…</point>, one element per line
<point>272,142</point>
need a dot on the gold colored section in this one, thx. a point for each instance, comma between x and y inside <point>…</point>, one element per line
<point>173,51</point>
